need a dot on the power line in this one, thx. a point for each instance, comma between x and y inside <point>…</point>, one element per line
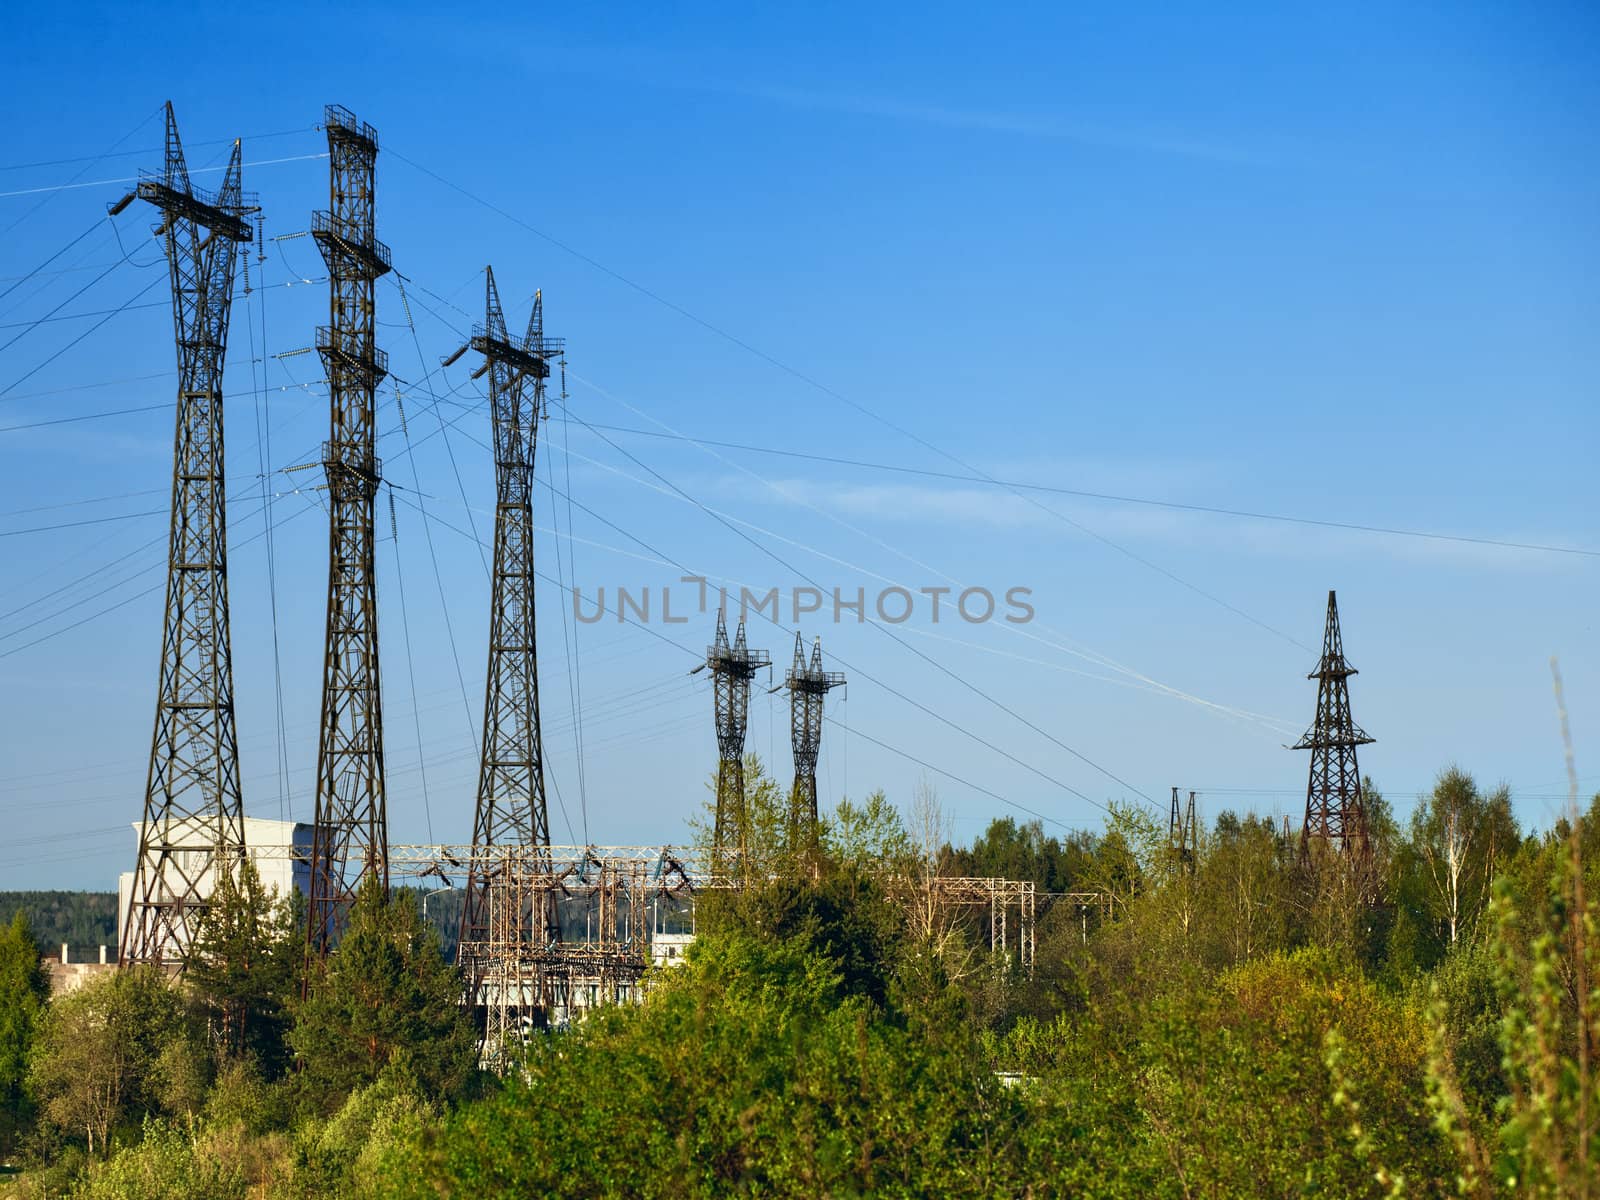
<point>44,200</point>
<point>67,162</point>
<point>809,381</point>
<point>93,328</point>
<point>1095,657</point>
<point>68,187</point>
<point>966,683</point>
<point>153,512</point>
<point>1109,496</point>
<point>855,670</point>
<point>22,279</point>
<point>126,600</point>
<point>99,416</point>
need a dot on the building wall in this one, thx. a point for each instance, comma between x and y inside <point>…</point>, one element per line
<point>279,850</point>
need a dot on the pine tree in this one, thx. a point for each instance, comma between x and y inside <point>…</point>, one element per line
<point>385,995</point>
<point>242,968</point>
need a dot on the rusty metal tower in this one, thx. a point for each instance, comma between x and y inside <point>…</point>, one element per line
<point>1183,831</point>
<point>511,806</point>
<point>1336,812</point>
<point>808,686</point>
<point>193,823</point>
<point>732,666</point>
<point>351,823</point>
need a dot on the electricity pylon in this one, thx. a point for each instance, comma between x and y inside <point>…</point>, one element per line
<point>511,795</point>
<point>1183,832</point>
<point>808,687</point>
<point>193,827</point>
<point>1336,813</point>
<point>351,820</point>
<point>732,666</point>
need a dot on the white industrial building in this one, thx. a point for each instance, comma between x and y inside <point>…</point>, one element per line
<point>279,850</point>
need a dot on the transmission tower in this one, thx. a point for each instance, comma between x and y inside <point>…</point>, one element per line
<point>732,667</point>
<point>351,823</point>
<point>511,797</point>
<point>808,687</point>
<point>1336,813</point>
<point>1183,832</point>
<point>192,799</point>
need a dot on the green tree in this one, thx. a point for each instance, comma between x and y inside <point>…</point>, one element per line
<point>24,988</point>
<point>766,809</point>
<point>1460,838</point>
<point>840,915</point>
<point>242,967</point>
<point>870,834</point>
<point>120,1047</point>
<point>167,1163</point>
<point>385,996</point>
<point>748,1070</point>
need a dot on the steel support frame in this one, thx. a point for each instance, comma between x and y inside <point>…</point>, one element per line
<point>1336,813</point>
<point>351,819</point>
<point>732,666</point>
<point>511,805</point>
<point>808,686</point>
<point>193,826</point>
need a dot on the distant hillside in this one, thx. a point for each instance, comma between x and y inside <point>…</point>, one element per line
<point>84,920</point>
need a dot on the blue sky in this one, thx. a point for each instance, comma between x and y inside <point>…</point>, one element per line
<point>1328,264</point>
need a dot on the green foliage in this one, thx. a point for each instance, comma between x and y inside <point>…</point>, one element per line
<point>119,1048</point>
<point>385,996</point>
<point>81,919</point>
<point>338,1159</point>
<point>1460,839</point>
<point>165,1164</point>
<point>841,916</point>
<point>1007,850</point>
<point>867,834</point>
<point>242,966</point>
<point>745,1071</point>
<point>1237,1024</point>
<point>23,991</point>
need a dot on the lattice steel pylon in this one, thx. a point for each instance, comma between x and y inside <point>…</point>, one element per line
<point>1336,812</point>
<point>193,823</point>
<point>808,686</point>
<point>1183,831</point>
<point>351,819</point>
<point>511,805</point>
<point>732,666</point>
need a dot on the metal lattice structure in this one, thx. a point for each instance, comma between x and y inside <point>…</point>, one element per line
<point>1336,814</point>
<point>732,666</point>
<point>617,901</point>
<point>192,792</point>
<point>511,809</point>
<point>1183,831</point>
<point>808,686</point>
<point>351,822</point>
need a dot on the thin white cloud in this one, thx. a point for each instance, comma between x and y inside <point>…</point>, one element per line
<point>994,508</point>
<point>1015,124</point>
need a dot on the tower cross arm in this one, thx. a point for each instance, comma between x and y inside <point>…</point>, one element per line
<point>737,661</point>
<point>229,222</point>
<point>1317,739</point>
<point>534,362</point>
<point>813,681</point>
